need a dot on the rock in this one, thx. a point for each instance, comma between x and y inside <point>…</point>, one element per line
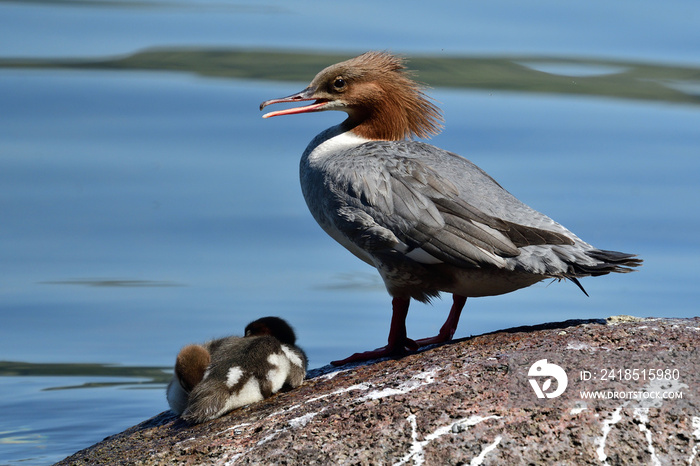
<point>466,402</point>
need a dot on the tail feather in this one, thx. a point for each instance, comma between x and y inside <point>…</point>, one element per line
<point>606,262</point>
<point>578,283</point>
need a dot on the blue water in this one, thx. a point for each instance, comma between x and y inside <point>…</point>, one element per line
<point>140,211</point>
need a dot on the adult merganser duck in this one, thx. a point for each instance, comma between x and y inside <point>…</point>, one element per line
<point>220,375</point>
<point>429,220</point>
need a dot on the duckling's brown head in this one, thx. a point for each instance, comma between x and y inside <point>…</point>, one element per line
<point>190,365</point>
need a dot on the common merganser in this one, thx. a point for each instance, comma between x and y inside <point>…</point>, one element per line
<point>429,220</point>
<point>220,375</point>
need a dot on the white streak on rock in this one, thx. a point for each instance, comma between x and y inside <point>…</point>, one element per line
<point>416,451</point>
<point>301,421</point>
<point>578,346</point>
<point>488,449</point>
<point>232,460</point>
<point>418,380</point>
<point>359,386</point>
<point>642,415</point>
<point>234,428</point>
<point>267,438</point>
<point>461,426</point>
<point>607,427</point>
<point>579,408</point>
<point>696,434</point>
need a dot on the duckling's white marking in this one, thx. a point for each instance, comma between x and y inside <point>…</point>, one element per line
<point>177,396</point>
<point>234,375</point>
<point>279,370</point>
<point>247,394</point>
<point>292,356</point>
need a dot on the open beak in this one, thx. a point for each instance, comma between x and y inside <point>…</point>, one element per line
<point>306,94</point>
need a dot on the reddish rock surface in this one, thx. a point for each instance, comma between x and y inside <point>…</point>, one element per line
<point>467,402</point>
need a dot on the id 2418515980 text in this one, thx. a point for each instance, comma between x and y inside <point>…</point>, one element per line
<point>625,374</point>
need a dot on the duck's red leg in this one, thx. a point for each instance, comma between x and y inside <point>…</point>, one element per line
<point>397,343</point>
<point>450,326</point>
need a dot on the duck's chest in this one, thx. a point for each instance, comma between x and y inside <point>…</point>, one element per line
<point>323,169</point>
<point>323,165</point>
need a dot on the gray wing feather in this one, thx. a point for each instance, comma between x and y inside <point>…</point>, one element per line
<point>390,200</point>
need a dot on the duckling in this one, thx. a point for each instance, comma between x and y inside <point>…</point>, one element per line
<point>220,375</point>
<point>191,364</point>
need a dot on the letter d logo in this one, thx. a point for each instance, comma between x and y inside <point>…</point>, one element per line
<point>542,368</point>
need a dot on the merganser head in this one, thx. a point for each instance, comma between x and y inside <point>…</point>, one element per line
<point>381,100</point>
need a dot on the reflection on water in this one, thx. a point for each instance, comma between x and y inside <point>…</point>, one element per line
<point>121,283</point>
<point>148,377</point>
<point>578,69</point>
<point>353,281</point>
<point>645,81</point>
<point>199,5</point>
<point>19,437</point>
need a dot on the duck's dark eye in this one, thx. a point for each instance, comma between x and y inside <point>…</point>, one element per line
<point>339,84</point>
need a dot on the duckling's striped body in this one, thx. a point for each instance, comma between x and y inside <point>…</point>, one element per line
<point>241,371</point>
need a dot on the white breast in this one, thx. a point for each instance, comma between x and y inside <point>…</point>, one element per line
<point>330,141</point>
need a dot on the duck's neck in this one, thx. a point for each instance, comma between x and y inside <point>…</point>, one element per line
<point>333,139</point>
<point>394,112</point>
<point>379,124</point>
